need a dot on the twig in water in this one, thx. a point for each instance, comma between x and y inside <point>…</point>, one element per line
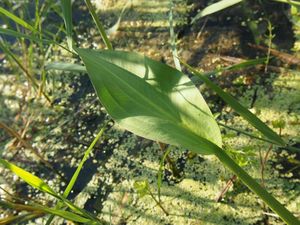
<point>202,28</point>
<point>15,134</point>
<point>226,188</point>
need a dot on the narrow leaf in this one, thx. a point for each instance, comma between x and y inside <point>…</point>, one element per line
<point>16,19</point>
<point>246,63</point>
<point>152,100</point>
<point>98,24</point>
<point>241,110</point>
<point>160,172</point>
<point>114,28</point>
<point>218,6</point>
<point>39,184</point>
<point>64,214</point>
<point>291,2</point>
<point>37,208</point>
<point>75,175</point>
<point>19,218</point>
<point>237,66</point>
<point>85,157</point>
<point>70,67</point>
<point>16,34</point>
<point>173,37</point>
<point>66,6</point>
<point>29,178</point>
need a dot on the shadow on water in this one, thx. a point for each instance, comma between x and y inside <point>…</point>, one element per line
<point>198,211</point>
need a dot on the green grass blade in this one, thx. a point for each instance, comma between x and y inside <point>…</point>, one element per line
<point>17,20</point>
<point>160,172</point>
<point>218,6</point>
<point>44,209</point>
<point>238,66</point>
<point>39,184</point>
<point>246,133</point>
<point>291,2</point>
<point>113,29</point>
<point>19,219</point>
<point>276,206</point>
<point>70,67</point>
<point>17,34</point>
<point>85,157</point>
<point>29,178</point>
<point>98,24</point>
<point>29,76</point>
<point>241,110</point>
<point>75,175</point>
<point>64,214</point>
<point>173,38</point>
<point>246,63</point>
<point>66,6</point>
<point>37,15</point>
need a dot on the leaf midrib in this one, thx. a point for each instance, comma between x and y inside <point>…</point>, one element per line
<point>179,123</point>
<point>168,115</point>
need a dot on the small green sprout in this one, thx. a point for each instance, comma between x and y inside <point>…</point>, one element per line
<point>242,157</point>
<point>278,123</point>
<point>142,188</point>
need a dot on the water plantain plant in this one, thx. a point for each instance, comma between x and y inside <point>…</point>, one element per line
<point>160,103</point>
<point>157,102</point>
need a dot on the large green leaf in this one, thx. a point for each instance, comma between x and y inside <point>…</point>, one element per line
<point>240,109</point>
<point>152,99</point>
<point>215,7</point>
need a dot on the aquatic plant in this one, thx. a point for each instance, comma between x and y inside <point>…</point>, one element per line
<point>154,101</point>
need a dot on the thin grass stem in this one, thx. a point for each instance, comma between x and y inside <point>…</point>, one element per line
<point>276,206</point>
<point>26,72</point>
<point>173,38</point>
<point>99,25</point>
<point>246,133</point>
<point>15,134</point>
<point>76,173</point>
<point>160,171</point>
